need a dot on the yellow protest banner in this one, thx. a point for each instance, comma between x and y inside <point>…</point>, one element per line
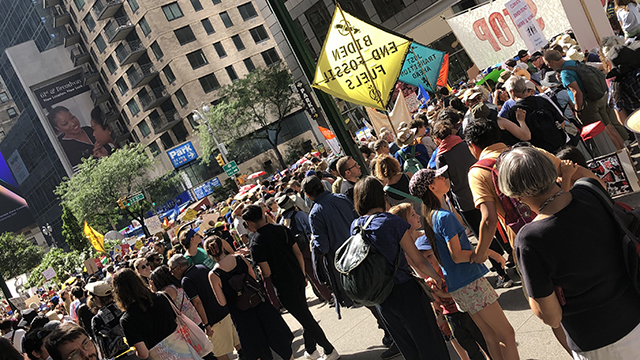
<point>359,63</point>
<point>96,239</point>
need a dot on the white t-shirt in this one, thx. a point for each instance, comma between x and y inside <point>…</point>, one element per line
<point>238,224</point>
<point>630,20</point>
<point>17,339</point>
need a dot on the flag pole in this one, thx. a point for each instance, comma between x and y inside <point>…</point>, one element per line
<point>364,63</point>
<point>435,91</point>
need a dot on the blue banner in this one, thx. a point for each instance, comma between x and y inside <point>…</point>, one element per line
<point>206,188</point>
<point>182,154</point>
<point>422,66</point>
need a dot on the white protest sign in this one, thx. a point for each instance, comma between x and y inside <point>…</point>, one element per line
<point>526,24</point>
<point>154,225</point>
<point>49,273</point>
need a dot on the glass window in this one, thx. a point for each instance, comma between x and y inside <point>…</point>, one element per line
<point>270,57</point>
<point>226,19</point>
<point>220,49</point>
<point>166,140</point>
<point>180,131</point>
<point>89,22</point>
<point>168,73</point>
<point>111,64</point>
<point>122,86</point>
<point>247,11</point>
<point>232,73</point>
<point>154,149</point>
<point>238,42</point>
<point>134,134</point>
<point>156,50</point>
<point>319,19</point>
<point>206,24</point>
<point>209,83</point>
<point>182,100</point>
<point>93,55</point>
<point>144,26</point>
<point>113,92</point>
<point>4,97</point>
<point>185,35</point>
<point>216,2</point>
<point>194,124</point>
<point>79,4</point>
<point>144,128</point>
<point>12,112</point>
<point>387,8</point>
<point>133,107</point>
<point>197,59</point>
<point>172,11</point>
<point>133,4</point>
<point>126,118</point>
<point>196,5</point>
<point>259,34</point>
<point>249,64</point>
<point>100,43</point>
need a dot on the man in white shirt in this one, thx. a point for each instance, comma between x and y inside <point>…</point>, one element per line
<point>238,223</point>
<point>15,336</point>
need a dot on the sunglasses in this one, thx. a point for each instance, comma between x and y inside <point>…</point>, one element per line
<point>144,266</point>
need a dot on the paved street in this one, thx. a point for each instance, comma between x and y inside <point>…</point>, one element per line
<point>357,337</point>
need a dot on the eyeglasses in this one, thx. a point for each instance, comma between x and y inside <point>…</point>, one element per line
<point>356,164</point>
<point>76,355</point>
<point>144,266</point>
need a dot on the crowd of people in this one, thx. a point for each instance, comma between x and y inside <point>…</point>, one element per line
<point>487,172</point>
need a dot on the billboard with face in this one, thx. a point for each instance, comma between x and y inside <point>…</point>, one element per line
<point>14,211</point>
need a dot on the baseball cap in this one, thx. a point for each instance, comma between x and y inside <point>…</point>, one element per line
<point>99,288</point>
<point>421,180</point>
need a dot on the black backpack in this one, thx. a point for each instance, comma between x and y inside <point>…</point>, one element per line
<point>593,80</point>
<point>544,125</point>
<point>364,273</point>
<point>248,291</point>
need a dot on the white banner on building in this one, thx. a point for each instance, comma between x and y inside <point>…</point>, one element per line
<point>527,26</point>
<point>490,36</point>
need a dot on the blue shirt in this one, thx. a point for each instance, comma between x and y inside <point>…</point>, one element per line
<point>569,76</point>
<point>330,218</point>
<point>432,161</point>
<point>422,154</point>
<point>446,227</point>
<point>504,112</point>
<point>301,220</point>
<point>385,232</point>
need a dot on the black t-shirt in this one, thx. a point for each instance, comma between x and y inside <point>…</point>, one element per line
<point>530,104</point>
<point>402,185</point>
<point>195,283</point>
<point>273,244</point>
<point>150,326</point>
<point>578,250</point>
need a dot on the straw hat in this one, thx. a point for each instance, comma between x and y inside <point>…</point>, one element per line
<point>574,54</point>
<point>406,137</point>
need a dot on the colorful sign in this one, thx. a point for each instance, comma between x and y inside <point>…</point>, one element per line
<point>182,154</point>
<point>96,239</point>
<point>359,62</point>
<point>207,188</point>
<point>422,67</point>
<point>528,28</point>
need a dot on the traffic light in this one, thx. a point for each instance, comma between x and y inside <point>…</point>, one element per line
<point>121,203</point>
<point>220,160</point>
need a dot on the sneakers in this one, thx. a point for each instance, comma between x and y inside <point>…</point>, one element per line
<point>314,356</point>
<point>387,340</point>
<point>501,283</point>
<point>391,352</point>
<point>333,356</point>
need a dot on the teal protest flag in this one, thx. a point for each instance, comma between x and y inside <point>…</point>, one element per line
<point>422,66</point>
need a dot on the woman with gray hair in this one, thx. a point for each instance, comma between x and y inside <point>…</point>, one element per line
<point>591,297</point>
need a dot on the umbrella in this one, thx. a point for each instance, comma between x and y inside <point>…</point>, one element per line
<point>247,188</point>
<point>255,175</point>
<point>113,235</point>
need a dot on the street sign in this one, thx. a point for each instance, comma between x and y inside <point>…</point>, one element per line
<point>206,188</point>
<point>135,198</point>
<point>231,168</point>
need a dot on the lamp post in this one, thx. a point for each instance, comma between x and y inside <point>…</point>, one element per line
<point>197,115</point>
<point>47,230</point>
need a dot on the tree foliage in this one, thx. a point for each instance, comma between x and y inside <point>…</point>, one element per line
<point>92,193</point>
<point>65,264</point>
<point>254,108</point>
<point>17,255</point>
<point>71,230</point>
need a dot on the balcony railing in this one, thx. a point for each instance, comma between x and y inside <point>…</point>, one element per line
<point>61,15</point>
<point>103,9</point>
<point>78,55</point>
<point>154,98</point>
<point>141,74</point>
<point>98,93</point>
<point>118,28</point>
<point>164,121</point>
<point>71,36</point>
<point>109,112</point>
<point>89,73</point>
<point>129,51</point>
<point>50,3</point>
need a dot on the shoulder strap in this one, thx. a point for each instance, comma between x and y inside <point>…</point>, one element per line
<point>487,164</point>
<point>413,151</point>
<point>403,155</point>
<point>173,306</point>
<point>402,193</point>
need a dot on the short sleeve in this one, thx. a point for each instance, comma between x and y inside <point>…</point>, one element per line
<point>448,226</point>
<point>535,272</point>
<point>131,332</point>
<point>257,254</point>
<point>189,288</point>
<point>481,186</point>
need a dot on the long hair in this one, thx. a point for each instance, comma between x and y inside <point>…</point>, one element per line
<point>213,246</point>
<point>430,205</point>
<point>162,278</point>
<point>129,288</point>
<point>623,4</point>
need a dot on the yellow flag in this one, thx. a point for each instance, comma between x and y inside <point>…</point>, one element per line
<point>359,63</point>
<point>97,239</point>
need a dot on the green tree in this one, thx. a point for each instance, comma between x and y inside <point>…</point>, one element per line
<point>63,263</point>
<point>17,255</point>
<point>92,193</point>
<point>71,230</point>
<point>253,109</point>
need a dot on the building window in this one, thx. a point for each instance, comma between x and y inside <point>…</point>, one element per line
<point>133,107</point>
<point>154,149</point>
<point>216,2</point>
<point>220,49</point>
<point>270,57</point>
<point>12,112</point>
<point>226,19</point>
<point>319,19</point>
<point>144,128</point>
<point>168,73</point>
<point>197,59</point>
<point>192,121</point>
<point>238,42</point>
<point>144,26</point>
<point>126,118</point>
<point>156,50</point>
<point>134,135</point>
<point>166,140</point>
<point>185,35</point>
<point>122,86</point>
<point>93,55</point>
<point>259,34</point>
<point>4,97</point>
<point>182,100</point>
<point>196,5</point>
<point>386,9</point>
<point>180,131</point>
<point>111,64</point>
<point>172,11</point>
<point>89,22</point>
<point>206,24</point>
<point>113,93</point>
<point>79,4</point>
<point>209,83</point>
<point>133,4</point>
<point>100,44</point>
<point>247,11</point>
<point>232,73</point>
<point>249,64</point>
